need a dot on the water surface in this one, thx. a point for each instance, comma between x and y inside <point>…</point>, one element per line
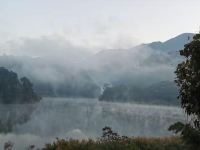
<point>85,118</point>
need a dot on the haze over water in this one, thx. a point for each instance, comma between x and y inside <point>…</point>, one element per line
<point>85,118</point>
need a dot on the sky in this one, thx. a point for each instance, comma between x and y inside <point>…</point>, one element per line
<point>98,23</point>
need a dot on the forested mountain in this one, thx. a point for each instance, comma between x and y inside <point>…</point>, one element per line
<point>52,78</point>
<point>142,66</point>
<point>13,90</point>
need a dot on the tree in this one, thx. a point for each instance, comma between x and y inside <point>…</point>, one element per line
<point>188,80</point>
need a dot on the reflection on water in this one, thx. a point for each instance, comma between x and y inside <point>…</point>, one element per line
<point>84,118</point>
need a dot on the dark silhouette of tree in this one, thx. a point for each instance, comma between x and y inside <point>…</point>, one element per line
<point>188,79</point>
<point>27,87</point>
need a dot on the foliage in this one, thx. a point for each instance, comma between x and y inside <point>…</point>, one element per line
<point>188,80</point>
<point>189,134</point>
<point>177,127</point>
<point>113,141</point>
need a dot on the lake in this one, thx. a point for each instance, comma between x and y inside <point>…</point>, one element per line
<point>84,118</point>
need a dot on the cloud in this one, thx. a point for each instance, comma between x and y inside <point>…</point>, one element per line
<point>44,46</point>
<point>53,59</point>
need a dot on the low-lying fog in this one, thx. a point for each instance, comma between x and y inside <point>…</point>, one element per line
<point>85,118</point>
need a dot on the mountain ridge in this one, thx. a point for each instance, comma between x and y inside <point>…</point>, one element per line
<point>140,65</point>
<point>172,44</point>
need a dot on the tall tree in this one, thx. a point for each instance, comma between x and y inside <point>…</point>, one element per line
<point>188,79</point>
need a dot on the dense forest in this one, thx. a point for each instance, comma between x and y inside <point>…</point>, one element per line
<point>13,90</point>
<point>160,93</point>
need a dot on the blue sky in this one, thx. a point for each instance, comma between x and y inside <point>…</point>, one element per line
<point>96,23</point>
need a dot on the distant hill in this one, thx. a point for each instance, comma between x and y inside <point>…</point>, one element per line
<point>141,66</point>
<point>145,72</point>
<point>13,90</point>
<point>172,45</point>
<point>134,62</point>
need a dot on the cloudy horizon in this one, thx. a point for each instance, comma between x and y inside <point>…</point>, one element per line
<point>97,24</point>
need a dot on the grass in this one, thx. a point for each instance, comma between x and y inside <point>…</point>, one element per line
<point>167,143</point>
<point>113,141</point>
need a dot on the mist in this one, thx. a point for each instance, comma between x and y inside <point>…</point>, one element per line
<point>70,68</point>
<point>85,118</point>
<point>54,59</point>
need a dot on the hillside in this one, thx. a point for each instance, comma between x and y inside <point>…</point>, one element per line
<point>72,76</point>
<point>13,90</point>
<point>172,45</point>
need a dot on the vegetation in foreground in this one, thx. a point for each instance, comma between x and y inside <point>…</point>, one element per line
<point>113,141</point>
<point>171,143</point>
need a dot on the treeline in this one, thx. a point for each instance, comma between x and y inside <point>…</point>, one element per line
<point>14,90</point>
<point>161,93</point>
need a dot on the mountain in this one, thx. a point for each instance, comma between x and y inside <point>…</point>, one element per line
<point>140,60</point>
<point>140,66</point>
<point>140,73</point>
<point>172,45</point>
